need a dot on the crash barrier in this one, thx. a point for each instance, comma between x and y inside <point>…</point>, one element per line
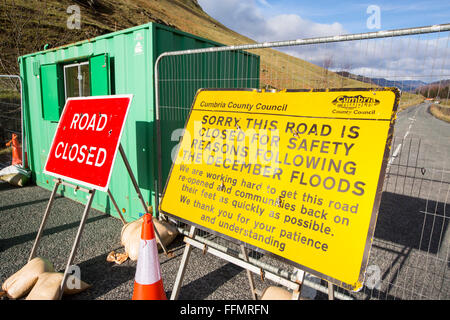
<point>402,259</point>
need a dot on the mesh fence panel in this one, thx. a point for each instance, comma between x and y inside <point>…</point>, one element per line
<point>10,115</point>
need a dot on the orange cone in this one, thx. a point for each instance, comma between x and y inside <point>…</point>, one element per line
<point>16,150</point>
<point>148,284</point>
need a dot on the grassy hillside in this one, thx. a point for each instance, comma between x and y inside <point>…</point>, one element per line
<point>28,25</point>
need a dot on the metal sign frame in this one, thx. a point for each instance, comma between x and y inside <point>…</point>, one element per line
<point>87,207</point>
<point>91,192</point>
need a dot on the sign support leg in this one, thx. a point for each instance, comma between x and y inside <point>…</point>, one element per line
<point>77,241</point>
<point>330,291</point>
<point>182,268</point>
<point>141,198</point>
<point>249,274</point>
<point>300,278</point>
<point>44,220</point>
<point>193,243</point>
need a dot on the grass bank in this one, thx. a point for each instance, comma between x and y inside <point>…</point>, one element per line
<point>441,111</point>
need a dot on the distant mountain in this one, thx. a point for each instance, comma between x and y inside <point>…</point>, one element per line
<point>442,83</point>
<point>404,85</point>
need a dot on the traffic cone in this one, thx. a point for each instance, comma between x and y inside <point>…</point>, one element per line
<point>16,150</point>
<point>148,284</point>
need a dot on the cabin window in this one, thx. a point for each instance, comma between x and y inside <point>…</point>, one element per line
<point>77,80</point>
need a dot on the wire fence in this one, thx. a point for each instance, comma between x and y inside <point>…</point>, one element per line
<point>409,255</point>
<point>10,115</point>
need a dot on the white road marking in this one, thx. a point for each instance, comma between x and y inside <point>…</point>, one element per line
<point>394,155</point>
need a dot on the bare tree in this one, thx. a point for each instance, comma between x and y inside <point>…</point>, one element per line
<point>28,27</point>
<point>23,32</point>
<point>346,67</point>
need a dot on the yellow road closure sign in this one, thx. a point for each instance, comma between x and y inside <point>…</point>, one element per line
<point>296,173</point>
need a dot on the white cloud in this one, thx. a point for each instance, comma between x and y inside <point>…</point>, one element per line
<point>407,58</point>
<point>247,18</point>
<point>292,26</point>
<point>265,3</point>
<point>415,57</point>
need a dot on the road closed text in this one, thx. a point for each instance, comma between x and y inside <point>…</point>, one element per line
<point>82,154</point>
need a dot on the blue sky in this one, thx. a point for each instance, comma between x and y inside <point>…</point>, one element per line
<point>352,15</point>
<point>423,57</point>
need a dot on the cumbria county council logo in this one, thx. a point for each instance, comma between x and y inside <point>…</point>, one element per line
<point>353,102</point>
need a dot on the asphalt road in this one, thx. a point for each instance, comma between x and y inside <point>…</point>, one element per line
<point>409,256</point>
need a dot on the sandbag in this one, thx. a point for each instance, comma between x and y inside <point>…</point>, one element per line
<point>130,238</point>
<point>21,282</point>
<point>15,175</point>
<point>167,231</point>
<point>131,235</point>
<point>130,229</point>
<point>276,293</point>
<point>48,285</point>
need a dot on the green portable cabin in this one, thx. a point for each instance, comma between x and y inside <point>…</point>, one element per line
<point>122,63</point>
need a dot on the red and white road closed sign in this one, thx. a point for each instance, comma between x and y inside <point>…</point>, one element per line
<point>87,138</point>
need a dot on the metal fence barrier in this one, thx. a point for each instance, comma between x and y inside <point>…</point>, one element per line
<point>409,255</point>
